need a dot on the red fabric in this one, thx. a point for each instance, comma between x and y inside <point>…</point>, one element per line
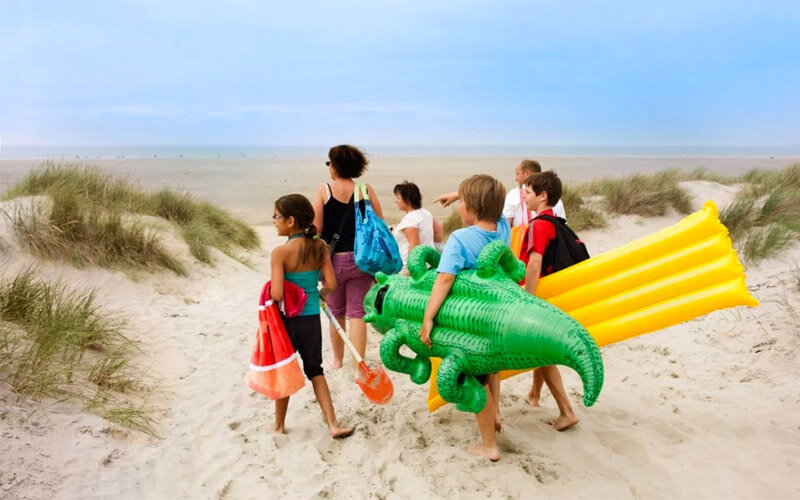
<point>274,370</point>
<point>294,298</point>
<point>538,237</point>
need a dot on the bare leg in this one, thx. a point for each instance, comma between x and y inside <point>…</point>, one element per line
<point>494,387</point>
<point>323,395</point>
<point>485,418</point>
<point>281,405</point>
<point>567,417</point>
<point>358,335</point>
<point>337,344</point>
<point>536,388</point>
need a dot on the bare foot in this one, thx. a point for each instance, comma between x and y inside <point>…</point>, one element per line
<point>340,432</point>
<point>482,450</point>
<point>565,421</point>
<point>533,399</point>
<point>278,429</point>
<point>337,363</point>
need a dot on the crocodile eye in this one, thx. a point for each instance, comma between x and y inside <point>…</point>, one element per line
<point>379,298</point>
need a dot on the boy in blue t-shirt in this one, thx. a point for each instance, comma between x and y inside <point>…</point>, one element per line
<point>481,208</point>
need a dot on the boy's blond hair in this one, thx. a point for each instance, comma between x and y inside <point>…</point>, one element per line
<point>483,195</point>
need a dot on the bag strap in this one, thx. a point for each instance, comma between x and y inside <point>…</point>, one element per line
<point>360,197</point>
<point>526,214</point>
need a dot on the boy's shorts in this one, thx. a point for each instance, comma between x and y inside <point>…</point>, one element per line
<point>305,332</point>
<point>352,284</point>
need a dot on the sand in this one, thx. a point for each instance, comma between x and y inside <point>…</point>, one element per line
<point>706,409</point>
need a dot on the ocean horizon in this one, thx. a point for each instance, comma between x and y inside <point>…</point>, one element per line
<point>88,152</point>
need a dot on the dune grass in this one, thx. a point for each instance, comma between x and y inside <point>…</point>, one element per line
<point>452,222</point>
<point>88,224</point>
<point>57,342</point>
<point>765,217</point>
<point>579,214</point>
<point>645,195</point>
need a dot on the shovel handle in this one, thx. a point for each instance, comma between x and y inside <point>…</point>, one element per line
<point>341,332</point>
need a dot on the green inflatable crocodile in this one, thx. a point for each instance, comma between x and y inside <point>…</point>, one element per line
<point>488,323</point>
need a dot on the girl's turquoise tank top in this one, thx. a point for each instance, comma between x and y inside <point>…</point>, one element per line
<point>307,280</point>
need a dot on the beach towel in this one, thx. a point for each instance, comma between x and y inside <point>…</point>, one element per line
<point>274,369</point>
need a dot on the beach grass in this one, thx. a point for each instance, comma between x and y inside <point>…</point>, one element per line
<point>702,174</point>
<point>88,222</point>
<point>84,234</point>
<point>580,215</point>
<point>645,195</point>
<point>57,342</point>
<point>452,222</point>
<point>765,217</point>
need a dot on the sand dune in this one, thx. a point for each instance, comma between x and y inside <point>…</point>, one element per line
<point>709,408</point>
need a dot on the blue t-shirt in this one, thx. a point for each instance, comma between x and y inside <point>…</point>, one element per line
<point>463,246</point>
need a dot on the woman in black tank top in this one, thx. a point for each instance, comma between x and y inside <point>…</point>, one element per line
<point>335,214</point>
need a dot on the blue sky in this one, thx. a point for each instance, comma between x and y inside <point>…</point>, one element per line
<point>399,72</point>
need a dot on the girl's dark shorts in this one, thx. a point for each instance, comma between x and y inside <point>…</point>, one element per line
<point>305,333</point>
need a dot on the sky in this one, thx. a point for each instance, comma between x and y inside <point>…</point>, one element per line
<point>261,72</point>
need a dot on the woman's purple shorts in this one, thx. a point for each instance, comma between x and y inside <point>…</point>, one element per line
<point>352,284</point>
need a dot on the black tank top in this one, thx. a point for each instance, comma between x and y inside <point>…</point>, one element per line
<point>332,214</point>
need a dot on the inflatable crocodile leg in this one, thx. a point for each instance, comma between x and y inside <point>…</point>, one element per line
<point>457,387</point>
<point>406,333</point>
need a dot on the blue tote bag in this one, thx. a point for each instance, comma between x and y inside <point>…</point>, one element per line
<point>375,248</point>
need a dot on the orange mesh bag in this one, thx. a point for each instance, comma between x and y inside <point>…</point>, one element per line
<point>274,369</point>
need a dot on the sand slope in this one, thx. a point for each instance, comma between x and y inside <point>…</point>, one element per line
<point>709,408</point>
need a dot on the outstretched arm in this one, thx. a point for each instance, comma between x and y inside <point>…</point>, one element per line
<point>441,288</point>
<point>447,199</point>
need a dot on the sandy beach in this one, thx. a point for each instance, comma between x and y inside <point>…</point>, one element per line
<point>705,409</point>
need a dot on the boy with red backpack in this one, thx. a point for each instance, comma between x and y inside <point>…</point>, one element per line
<point>548,247</point>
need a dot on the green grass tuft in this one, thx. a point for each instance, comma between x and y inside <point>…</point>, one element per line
<point>132,418</point>
<point>87,223</point>
<point>765,217</point>
<point>762,242</point>
<point>580,215</point>
<point>645,195</point>
<point>57,342</point>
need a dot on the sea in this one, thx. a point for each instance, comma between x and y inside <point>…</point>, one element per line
<point>246,180</point>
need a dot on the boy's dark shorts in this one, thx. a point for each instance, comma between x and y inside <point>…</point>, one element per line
<point>305,332</point>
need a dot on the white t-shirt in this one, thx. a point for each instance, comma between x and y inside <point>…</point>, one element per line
<point>513,208</point>
<point>421,219</point>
